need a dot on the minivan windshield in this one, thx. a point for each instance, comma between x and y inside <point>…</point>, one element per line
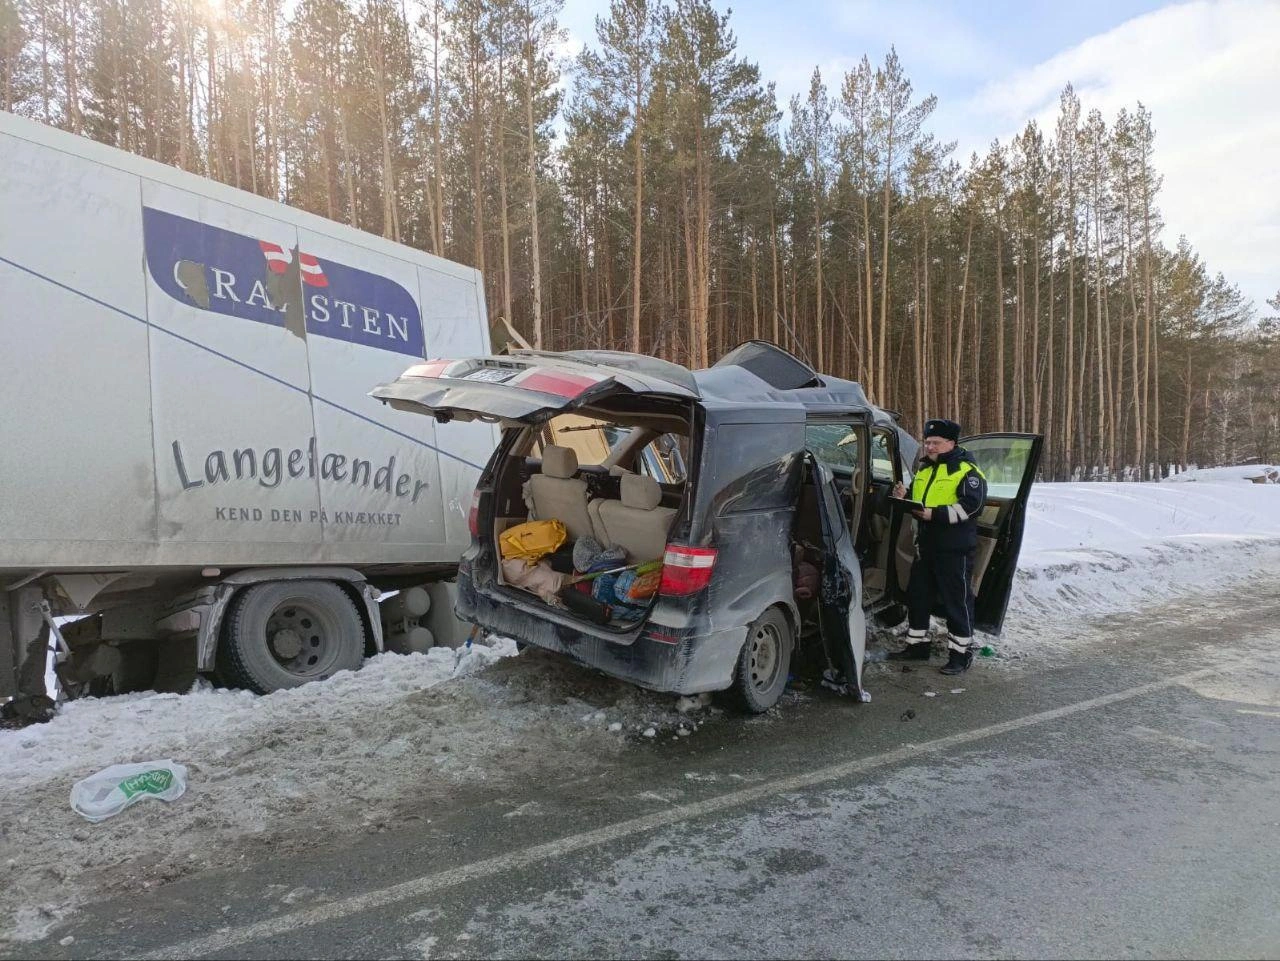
<point>597,442</point>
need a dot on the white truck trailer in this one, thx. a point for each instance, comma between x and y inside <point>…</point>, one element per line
<point>188,451</point>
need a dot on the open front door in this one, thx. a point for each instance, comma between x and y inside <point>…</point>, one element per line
<point>844,626</point>
<point>1009,463</point>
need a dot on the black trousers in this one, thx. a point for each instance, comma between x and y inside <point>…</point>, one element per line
<point>943,577</point>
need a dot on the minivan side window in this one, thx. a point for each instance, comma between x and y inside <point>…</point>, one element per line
<point>589,438</point>
<point>746,477</point>
<point>834,444</point>
<point>882,457</point>
<point>664,459</point>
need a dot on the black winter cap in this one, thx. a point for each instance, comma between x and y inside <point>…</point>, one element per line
<point>946,429</point>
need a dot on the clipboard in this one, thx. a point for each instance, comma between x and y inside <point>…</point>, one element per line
<point>904,504</point>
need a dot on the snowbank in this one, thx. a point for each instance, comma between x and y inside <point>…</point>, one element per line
<point>1253,473</point>
<point>137,727</point>
<point>274,773</point>
<point>1095,549</point>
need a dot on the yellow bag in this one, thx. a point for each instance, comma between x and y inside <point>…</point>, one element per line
<point>532,540</point>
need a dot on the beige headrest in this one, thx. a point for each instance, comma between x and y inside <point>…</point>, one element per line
<point>640,491</point>
<point>559,462</point>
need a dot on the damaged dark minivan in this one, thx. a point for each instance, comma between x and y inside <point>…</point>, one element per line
<point>753,492</point>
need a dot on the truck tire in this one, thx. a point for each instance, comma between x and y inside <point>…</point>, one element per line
<point>284,634</point>
<point>765,663</point>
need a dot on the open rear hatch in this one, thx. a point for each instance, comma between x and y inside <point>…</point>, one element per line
<point>529,393</point>
<point>528,386</point>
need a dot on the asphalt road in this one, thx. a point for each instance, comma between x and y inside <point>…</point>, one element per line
<point>1118,802</point>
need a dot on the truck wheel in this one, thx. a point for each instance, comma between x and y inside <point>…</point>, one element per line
<point>764,664</point>
<point>287,633</point>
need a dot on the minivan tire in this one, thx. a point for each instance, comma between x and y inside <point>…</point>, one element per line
<point>284,634</point>
<point>764,664</point>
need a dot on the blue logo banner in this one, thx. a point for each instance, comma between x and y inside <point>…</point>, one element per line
<point>240,276</point>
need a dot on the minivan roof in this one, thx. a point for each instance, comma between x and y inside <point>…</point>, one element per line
<point>758,372</point>
<point>754,372</point>
<point>528,385</point>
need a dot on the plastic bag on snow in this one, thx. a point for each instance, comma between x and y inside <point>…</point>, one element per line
<point>114,788</point>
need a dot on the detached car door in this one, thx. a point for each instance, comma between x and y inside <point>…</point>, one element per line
<point>1009,462</point>
<point>527,386</point>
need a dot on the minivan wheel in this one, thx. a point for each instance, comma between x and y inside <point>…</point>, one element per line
<point>764,663</point>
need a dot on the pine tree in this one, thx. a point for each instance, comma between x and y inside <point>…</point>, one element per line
<point>896,126</point>
<point>811,140</point>
<point>539,33</point>
<point>622,72</point>
<point>716,95</point>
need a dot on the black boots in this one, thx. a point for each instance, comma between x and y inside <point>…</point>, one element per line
<point>958,661</point>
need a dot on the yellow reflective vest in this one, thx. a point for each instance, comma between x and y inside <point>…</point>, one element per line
<point>957,491</point>
<point>936,486</point>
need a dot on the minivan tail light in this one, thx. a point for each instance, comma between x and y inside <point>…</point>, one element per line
<point>686,570</point>
<point>473,517</point>
<point>432,368</point>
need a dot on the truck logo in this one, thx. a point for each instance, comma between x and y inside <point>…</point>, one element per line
<point>236,275</point>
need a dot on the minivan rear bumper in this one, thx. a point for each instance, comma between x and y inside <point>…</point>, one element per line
<point>662,659</point>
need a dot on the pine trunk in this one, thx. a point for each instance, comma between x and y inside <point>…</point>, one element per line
<point>755,291</point>
<point>437,150</point>
<point>999,422</point>
<point>1036,375</point>
<point>1068,381</point>
<point>535,252</point>
<point>773,244</point>
<point>959,354</point>
<point>882,370</point>
<point>637,209</point>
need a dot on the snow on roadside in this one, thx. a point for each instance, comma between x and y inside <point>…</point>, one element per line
<point>1090,550</point>
<point>269,774</point>
<point>95,732</point>
<point>1254,473</point>
<point>250,760</point>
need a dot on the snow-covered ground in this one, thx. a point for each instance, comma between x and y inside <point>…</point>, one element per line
<point>361,752</point>
<point>1254,473</point>
<point>1095,549</point>
<point>365,751</point>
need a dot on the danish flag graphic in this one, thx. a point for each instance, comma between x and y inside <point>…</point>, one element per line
<point>309,269</point>
<point>277,257</point>
<point>278,260</point>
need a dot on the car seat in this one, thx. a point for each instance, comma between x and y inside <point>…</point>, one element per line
<point>556,494</point>
<point>636,522</point>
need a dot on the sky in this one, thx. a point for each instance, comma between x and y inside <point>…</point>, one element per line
<point>1208,71</point>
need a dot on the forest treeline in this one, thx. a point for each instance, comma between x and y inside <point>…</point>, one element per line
<point>650,194</point>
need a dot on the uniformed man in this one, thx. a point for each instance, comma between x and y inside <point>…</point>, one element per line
<point>953,492</point>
